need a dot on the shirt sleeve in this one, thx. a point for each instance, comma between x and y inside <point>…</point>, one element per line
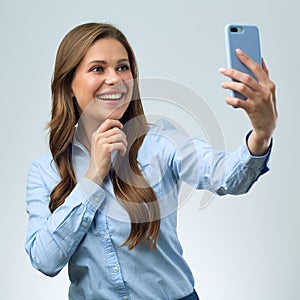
<point>53,237</point>
<point>220,172</point>
<point>195,162</point>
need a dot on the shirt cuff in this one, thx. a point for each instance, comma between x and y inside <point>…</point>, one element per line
<point>92,192</point>
<point>259,163</point>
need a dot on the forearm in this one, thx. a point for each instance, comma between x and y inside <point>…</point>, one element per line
<point>241,169</point>
<point>51,241</point>
<point>51,247</point>
<point>204,167</point>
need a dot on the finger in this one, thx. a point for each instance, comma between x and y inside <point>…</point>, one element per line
<point>111,132</point>
<point>240,77</point>
<point>108,124</point>
<point>117,147</point>
<point>117,138</point>
<point>238,87</point>
<point>106,148</point>
<point>109,136</point>
<point>252,65</point>
<point>236,102</point>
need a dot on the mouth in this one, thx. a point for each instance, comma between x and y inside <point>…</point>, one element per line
<point>110,96</point>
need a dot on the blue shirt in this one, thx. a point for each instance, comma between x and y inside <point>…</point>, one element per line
<point>87,230</point>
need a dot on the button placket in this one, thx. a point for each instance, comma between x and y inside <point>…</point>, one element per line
<point>112,258</point>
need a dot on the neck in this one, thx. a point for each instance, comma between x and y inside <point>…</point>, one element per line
<point>86,128</point>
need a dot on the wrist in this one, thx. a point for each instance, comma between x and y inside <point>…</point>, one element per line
<point>94,176</point>
<point>259,144</point>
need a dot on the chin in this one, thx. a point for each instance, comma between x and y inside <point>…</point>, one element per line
<point>118,113</point>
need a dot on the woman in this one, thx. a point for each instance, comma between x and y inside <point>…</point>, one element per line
<point>102,200</point>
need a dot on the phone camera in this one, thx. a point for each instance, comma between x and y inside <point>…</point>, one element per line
<point>233,29</point>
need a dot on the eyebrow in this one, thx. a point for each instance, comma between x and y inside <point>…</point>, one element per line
<point>104,62</point>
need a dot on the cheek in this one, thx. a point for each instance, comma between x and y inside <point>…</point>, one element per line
<point>129,75</point>
<point>76,88</point>
<point>126,76</point>
<point>129,82</point>
<point>83,90</point>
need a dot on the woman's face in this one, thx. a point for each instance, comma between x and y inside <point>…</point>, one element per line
<point>103,83</point>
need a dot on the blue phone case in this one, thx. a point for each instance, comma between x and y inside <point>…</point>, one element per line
<point>245,37</point>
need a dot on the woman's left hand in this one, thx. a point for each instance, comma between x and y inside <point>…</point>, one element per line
<point>260,104</point>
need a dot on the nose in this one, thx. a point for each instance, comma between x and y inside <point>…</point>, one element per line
<point>112,77</point>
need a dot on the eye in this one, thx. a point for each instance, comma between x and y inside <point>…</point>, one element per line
<point>96,69</point>
<point>123,68</point>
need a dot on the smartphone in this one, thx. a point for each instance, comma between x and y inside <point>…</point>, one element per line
<point>245,37</point>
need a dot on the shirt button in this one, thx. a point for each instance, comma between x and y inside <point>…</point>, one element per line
<point>116,269</point>
<point>96,199</point>
<point>125,298</point>
<point>84,224</point>
<point>106,237</point>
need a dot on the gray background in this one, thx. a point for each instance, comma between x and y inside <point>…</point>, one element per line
<point>243,247</point>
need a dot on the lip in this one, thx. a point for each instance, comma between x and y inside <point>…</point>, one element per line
<point>112,91</point>
<point>111,97</point>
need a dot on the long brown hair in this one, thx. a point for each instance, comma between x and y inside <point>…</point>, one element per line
<point>130,187</point>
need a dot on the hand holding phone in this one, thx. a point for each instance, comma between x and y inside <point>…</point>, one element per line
<point>246,38</point>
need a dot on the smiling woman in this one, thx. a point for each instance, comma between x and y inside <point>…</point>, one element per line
<point>94,201</point>
<point>104,75</point>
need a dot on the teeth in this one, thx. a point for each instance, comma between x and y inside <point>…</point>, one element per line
<point>110,97</point>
